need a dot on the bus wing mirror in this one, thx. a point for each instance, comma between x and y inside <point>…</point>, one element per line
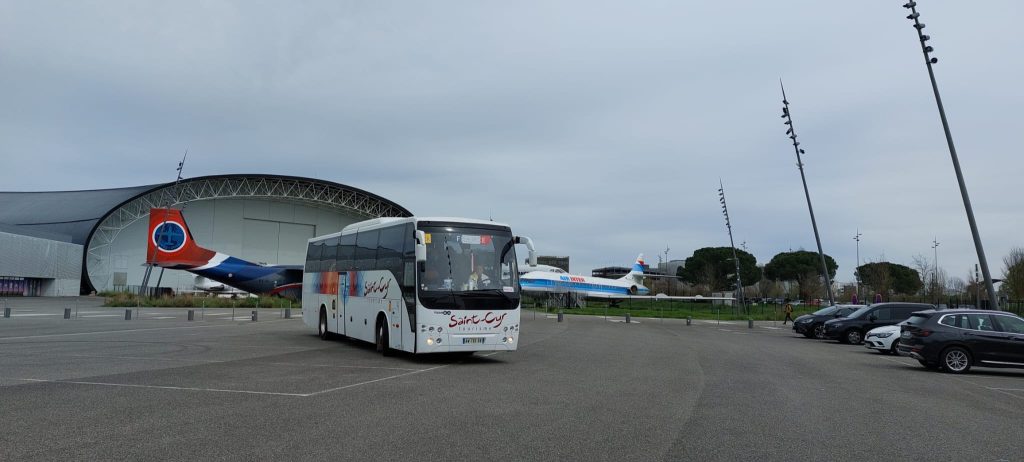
<point>421,246</point>
<point>529,245</point>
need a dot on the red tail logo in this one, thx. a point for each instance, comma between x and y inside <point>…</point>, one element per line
<point>170,243</point>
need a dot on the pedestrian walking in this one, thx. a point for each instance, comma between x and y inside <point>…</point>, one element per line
<point>789,313</point>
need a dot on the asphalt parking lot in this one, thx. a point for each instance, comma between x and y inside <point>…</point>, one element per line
<point>160,387</point>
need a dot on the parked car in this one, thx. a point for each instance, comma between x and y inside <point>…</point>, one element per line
<point>851,329</point>
<point>812,325</point>
<point>955,340</point>
<point>885,339</point>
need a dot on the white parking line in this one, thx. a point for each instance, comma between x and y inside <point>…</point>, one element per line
<point>376,380</point>
<point>21,315</point>
<point>161,387</point>
<point>123,330</point>
<point>102,316</point>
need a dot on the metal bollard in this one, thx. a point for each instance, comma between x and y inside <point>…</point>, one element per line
<point>7,312</point>
<point>287,313</point>
<point>254,315</point>
<point>560,316</point>
<point>750,324</point>
<point>191,315</point>
<point>128,314</point>
<point>627,318</point>
<point>67,313</point>
<point>689,320</point>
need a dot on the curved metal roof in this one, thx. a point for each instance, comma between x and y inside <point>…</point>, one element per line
<point>77,213</point>
<point>71,213</point>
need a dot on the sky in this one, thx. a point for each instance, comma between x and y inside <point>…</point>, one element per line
<point>599,129</point>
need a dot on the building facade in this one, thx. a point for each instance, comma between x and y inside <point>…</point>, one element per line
<point>260,218</point>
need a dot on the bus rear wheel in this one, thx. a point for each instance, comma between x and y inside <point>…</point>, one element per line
<point>322,325</point>
<point>381,338</point>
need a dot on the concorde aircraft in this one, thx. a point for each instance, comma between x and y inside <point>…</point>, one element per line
<point>171,245</point>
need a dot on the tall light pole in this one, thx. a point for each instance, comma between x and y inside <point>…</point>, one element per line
<point>856,237</point>
<point>928,61</point>
<point>735,259</point>
<point>935,272</point>
<point>796,147</point>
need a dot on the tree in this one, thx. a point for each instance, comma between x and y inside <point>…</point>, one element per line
<point>713,267</point>
<point>803,267</point>
<point>1013,273</point>
<point>884,277</point>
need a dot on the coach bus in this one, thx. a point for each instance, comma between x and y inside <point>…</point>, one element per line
<point>421,285</point>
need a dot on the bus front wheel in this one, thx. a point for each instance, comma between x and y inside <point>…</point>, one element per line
<point>322,325</point>
<point>382,337</point>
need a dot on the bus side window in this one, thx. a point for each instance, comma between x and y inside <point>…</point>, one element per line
<point>313,256</point>
<point>389,251</point>
<point>366,250</point>
<point>329,259</point>
<point>347,252</point>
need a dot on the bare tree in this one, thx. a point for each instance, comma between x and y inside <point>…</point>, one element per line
<point>710,278</point>
<point>1013,273</point>
<point>811,286</point>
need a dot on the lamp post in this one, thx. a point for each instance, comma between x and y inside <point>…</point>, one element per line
<point>935,271</point>
<point>856,237</point>
<point>735,259</point>
<point>928,62</point>
<point>814,224</point>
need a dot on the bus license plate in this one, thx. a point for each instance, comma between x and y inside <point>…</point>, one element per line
<point>472,340</point>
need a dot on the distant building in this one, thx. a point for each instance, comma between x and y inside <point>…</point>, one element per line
<point>558,262</point>
<point>672,267</point>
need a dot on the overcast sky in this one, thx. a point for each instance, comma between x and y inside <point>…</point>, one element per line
<point>601,129</point>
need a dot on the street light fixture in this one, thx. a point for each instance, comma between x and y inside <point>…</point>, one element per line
<point>857,269</point>
<point>735,259</point>
<point>929,60</point>
<point>935,271</point>
<point>796,147</point>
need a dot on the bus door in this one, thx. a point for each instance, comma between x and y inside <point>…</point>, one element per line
<point>340,299</point>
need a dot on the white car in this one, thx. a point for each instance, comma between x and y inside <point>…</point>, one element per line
<point>885,339</point>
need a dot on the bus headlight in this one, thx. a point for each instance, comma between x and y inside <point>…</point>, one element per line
<point>430,341</point>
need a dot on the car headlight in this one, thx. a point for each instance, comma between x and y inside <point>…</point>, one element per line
<point>884,335</point>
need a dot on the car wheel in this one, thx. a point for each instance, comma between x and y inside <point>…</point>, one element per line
<point>956,360</point>
<point>819,331</point>
<point>382,338</point>
<point>928,365</point>
<point>853,336</point>
<point>895,348</point>
<point>322,325</point>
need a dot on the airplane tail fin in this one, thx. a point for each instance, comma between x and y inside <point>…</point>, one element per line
<point>170,243</point>
<point>637,273</point>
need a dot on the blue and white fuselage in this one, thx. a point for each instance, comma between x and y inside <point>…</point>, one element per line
<point>588,286</point>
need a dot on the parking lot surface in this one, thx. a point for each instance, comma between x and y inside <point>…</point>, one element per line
<point>224,387</point>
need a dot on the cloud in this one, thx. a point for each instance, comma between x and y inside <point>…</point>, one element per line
<point>600,129</point>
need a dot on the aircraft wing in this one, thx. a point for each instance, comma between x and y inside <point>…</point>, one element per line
<point>696,298</point>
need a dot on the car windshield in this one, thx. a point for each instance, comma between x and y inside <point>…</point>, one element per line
<point>827,310</point>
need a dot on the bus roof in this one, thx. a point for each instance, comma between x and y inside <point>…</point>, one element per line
<point>388,221</point>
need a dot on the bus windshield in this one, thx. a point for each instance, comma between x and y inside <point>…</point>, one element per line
<point>469,268</point>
